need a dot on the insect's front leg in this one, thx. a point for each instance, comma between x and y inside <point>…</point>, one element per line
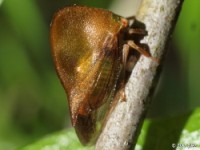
<point>137,31</point>
<point>141,50</point>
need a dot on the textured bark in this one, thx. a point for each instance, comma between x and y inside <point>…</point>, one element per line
<point>123,126</point>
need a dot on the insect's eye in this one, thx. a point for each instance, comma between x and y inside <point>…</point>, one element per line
<point>116,18</point>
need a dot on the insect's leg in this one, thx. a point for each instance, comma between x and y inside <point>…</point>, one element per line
<point>141,50</point>
<point>138,31</point>
<point>130,63</point>
<point>125,52</point>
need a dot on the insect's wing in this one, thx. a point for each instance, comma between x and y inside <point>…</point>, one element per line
<point>85,51</point>
<point>98,98</point>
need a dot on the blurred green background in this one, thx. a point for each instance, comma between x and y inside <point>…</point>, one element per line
<point>32,100</point>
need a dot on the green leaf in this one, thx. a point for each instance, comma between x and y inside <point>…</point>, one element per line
<point>64,140</point>
<point>156,134</point>
<point>183,130</point>
<point>1,1</point>
<point>187,36</point>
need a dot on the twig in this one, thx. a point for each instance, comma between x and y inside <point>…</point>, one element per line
<point>125,121</point>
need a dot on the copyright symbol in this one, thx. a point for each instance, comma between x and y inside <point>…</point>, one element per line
<point>173,145</point>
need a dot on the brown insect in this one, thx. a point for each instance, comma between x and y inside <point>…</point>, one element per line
<point>90,50</point>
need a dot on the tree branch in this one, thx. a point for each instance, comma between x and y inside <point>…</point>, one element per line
<point>125,121</point>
